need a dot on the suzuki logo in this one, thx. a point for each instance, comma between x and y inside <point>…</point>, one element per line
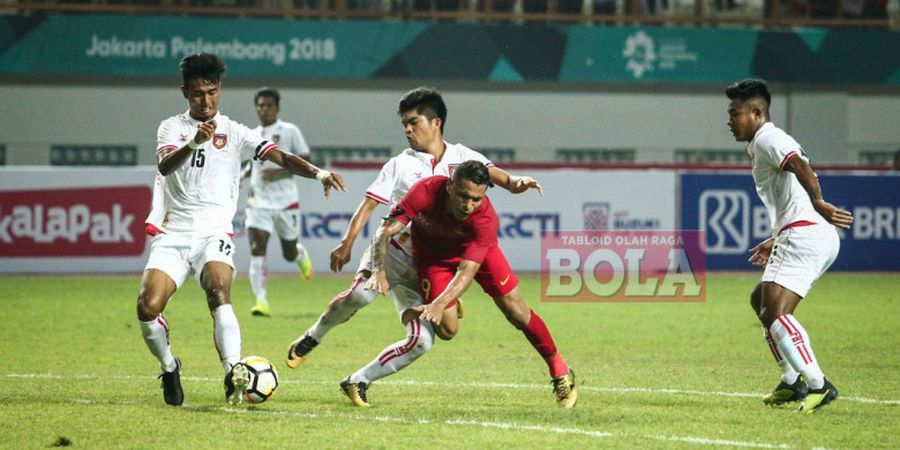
<point>725,217</point>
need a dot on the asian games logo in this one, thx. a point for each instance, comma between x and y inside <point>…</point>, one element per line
<point>641,53</point>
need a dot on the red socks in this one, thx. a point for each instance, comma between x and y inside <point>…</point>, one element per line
<point>537,333</point>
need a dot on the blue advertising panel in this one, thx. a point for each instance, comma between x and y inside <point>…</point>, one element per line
<point>728,209</point>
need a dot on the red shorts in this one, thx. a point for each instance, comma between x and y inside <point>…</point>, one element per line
<point>495,276</point>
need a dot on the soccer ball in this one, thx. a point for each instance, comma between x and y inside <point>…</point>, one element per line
<point>263,379</point>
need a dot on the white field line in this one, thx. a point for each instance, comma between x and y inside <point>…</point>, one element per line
<point>617,390</point>
<point>510,426</point>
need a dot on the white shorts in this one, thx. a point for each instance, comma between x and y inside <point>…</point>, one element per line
<point>402,275</point>
<point>801,255</point>
<point>285,223</point>
<point>180,255</point>
<point>401,243</point>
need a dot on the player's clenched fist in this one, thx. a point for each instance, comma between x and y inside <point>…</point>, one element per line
<point>205,131</point>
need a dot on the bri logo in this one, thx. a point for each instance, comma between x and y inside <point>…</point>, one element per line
<point>725,218</point>
<point>732,222</point>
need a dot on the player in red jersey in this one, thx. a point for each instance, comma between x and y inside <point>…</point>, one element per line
<point>454,232</point>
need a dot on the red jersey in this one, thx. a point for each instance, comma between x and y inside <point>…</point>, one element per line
<point>437,235</point>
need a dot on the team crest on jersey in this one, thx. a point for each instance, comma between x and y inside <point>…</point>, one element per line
<point>451,168</point>
<point>219,141</point>
<point>276,138</point>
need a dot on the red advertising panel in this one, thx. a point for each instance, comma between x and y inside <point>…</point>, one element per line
<point>105,221</point>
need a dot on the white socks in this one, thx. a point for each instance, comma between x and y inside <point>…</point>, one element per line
<point>341,308</point>
<point>156,336</point>
<point>301,253</point>
<point>793,344</point>
<point>788,374</point>
<point>419,339</point>
<point>258,278</point>
<point>227,335</point>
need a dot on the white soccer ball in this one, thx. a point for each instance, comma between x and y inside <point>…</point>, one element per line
<point>263,379</point>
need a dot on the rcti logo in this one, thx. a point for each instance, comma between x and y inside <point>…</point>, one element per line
<point>725,218</point>
<point>326,225</point>
<point>640,52</point>
<point>623,266</point>
<point>528,225</point>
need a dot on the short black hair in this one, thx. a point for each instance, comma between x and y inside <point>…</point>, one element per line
<point>473,171</point>
<point>748,89</point>
<point>204,66</point>
<point>426,101</point>
<point>268,92</point>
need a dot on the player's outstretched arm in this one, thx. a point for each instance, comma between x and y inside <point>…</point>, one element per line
<point>465,273</point>
<point>807,178</point>
<point>168,163</point>
<point>513,183</point>
<point>303,168</point>
<point>341,254</point>
<point>388,229</point>
<point>270,175</point>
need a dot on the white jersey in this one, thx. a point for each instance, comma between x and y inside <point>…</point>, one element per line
<point>201,195</point>
<point>282,193</point>
<point>410,166</point>
<point>403,171</point>
<point>785,199</point>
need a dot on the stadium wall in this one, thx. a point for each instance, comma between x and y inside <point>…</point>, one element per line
<point>834,126</point>
<point>91,220</point>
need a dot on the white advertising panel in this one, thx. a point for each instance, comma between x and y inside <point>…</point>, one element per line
<point>90,220</point>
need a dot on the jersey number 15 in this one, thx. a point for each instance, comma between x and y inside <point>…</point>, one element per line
<point>198,158</point>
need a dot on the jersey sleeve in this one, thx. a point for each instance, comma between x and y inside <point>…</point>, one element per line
<point>415,200</point>
<point>382,188</point>
<point>252,144</point>
<point>167,138</point>
<point>485,237</point>
<point>781,148</point>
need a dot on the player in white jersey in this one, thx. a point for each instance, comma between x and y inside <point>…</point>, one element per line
<point>195,198</point>
<point>423,115</point>
<point>274,204</point>
<point>803,245</point>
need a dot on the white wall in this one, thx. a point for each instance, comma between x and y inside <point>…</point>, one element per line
<point>832,125</point>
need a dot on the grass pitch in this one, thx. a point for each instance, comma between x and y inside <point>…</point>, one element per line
<point>75,371</point>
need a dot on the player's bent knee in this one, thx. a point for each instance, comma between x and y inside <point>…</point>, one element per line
<point>217,295</point>
<point>147,308</point>
<point>360,297</point>
<point>756,299</point>
<point>446,332</point>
